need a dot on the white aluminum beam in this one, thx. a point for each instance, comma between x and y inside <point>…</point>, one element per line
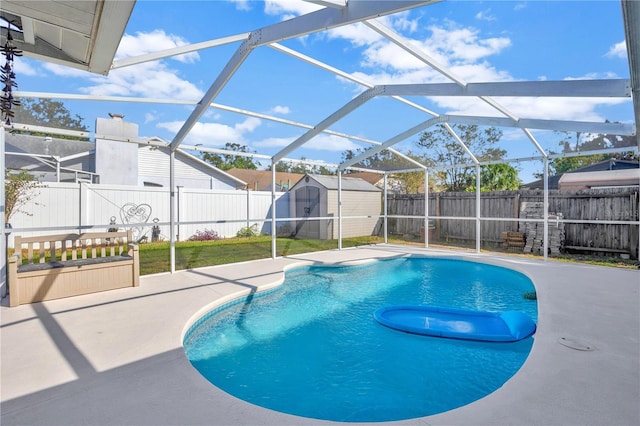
<point>389,143</point>
<point>328,18</point>
<point>176,51</point>
<point>627,129</point>
<point>346,109</point>
<point>568,88</point>
<point>422,56</point>
<point>461,143</point>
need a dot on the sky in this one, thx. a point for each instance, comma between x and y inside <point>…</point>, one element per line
<point>477,41</point>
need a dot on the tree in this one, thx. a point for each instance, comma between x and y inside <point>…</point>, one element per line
<point>230,161</point>
<point>443,149</point>
<point>49,113</point>
<point>406,182</point>
<point>579,142</point>
<point>300,168</point>
<point>19,189</point>
<point>496,177</point>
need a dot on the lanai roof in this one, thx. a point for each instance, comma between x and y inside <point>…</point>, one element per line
<point>85,35</point>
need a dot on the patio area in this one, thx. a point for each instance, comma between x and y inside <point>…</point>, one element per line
<point>116,358</point>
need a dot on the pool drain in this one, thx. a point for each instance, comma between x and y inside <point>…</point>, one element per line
<point>574,344</point>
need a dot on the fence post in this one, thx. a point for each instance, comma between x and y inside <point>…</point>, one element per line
<point>385,206</point>
<point>478,228</point>
<point>426,208</point>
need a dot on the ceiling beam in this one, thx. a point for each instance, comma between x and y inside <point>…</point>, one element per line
<point>176,51</point>
<point>565,88</point>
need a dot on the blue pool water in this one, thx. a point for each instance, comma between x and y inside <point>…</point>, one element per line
<point>312,347</point>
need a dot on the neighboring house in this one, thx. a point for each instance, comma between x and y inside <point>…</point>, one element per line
<point>109,161</point>
<point>316,196</point>
<point>593,176</point>
<point>50,159</point>
<point>261,180</point>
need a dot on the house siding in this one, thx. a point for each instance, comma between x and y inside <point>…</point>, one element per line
<point>153,167</point>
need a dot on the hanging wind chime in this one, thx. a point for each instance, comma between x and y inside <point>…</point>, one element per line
<point>7,101</point>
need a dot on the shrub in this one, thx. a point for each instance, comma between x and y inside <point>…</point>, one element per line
<point>248,231</point>
<point>206,235</point>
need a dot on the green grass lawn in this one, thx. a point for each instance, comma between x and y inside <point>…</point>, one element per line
<point>154,257</point>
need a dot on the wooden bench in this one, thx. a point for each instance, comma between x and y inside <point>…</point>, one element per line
<point>57,266</point>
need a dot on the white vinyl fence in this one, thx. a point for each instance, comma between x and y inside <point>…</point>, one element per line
<point>71,207</point>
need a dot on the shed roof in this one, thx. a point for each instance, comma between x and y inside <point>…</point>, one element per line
<point>260,180</point>
<point>348,184</point>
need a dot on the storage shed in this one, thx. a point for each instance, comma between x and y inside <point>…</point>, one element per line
<point>316,196</point>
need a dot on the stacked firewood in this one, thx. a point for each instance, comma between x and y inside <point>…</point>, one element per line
<point>513,241</point>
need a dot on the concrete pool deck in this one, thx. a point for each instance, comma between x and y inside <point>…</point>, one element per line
<point>115,358</point>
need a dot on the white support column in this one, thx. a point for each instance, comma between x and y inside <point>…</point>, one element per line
<point>339,210</point>
<point>386,208</point>
<point>274,248</point>
<point>426,208</point>
<point>545,209</point>
<point>478,227</point>
<point>172,212</point>
<point>57,169</point>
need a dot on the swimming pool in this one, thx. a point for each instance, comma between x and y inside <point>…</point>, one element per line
<point>312,348</point>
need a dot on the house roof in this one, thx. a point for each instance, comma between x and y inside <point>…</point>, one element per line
<point>584,180</point>
<point>370,177</point>
<point>606,165</point>
<point>210,166</point>
<point>348,184</point>
<point>260,180</point>
<point>43,147</point>
<point>80,34</point>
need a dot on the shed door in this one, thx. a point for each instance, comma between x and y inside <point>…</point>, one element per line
<point>308,205</point>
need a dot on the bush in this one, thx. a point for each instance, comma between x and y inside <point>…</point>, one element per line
<point>248,231</point>
<point>206,235</point>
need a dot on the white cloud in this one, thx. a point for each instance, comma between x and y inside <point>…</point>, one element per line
<point>274,142</point>
<point>154,41</point>
<point>65,71</point>
<point>279,109</point>
<point>618,50</point>
<point>23,67</point>
<point>322,142</point>
<point>150,117</point>
<point>547,108</point>
<point>289,8</point>
<point>485,15</point>
<point>215,135</point>
<point>325,142</point>
<point>152,80</point>
<point>241,4</point>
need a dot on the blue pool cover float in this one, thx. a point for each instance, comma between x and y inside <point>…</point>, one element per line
<point>455,323</point>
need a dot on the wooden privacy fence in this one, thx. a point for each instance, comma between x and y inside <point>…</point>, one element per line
<point>611,204</point>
